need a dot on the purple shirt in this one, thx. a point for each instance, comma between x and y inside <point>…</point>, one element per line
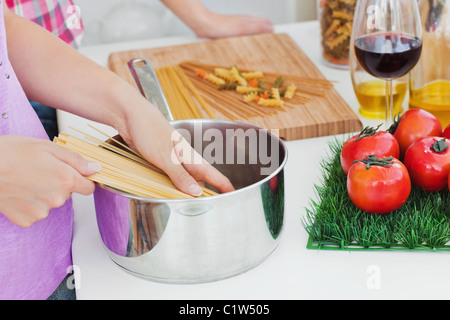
<point>33,260</point>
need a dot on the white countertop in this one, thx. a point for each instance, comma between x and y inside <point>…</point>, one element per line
<point>292,271</point>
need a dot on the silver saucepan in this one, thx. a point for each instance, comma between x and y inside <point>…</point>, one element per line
<point>200,239</point>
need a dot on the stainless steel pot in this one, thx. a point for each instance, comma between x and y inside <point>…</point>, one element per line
<point>202,239</point>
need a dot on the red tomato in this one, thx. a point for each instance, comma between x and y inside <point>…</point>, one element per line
<point>368,142</point>
<point>446,133</point>
<point>415,124</point>
<point>428,163</point>
<point>378,188</point>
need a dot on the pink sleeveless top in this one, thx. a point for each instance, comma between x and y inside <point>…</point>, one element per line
<point>33,260</point>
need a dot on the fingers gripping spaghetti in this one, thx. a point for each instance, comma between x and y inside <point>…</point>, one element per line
<point>123,169</point>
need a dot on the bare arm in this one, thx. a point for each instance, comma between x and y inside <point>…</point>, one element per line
<point>207,24</point>
<point>53,73</point>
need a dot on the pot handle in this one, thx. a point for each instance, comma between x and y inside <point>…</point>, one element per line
<point>145,77</point>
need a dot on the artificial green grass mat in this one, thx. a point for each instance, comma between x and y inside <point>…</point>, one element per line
<point>333,222</point>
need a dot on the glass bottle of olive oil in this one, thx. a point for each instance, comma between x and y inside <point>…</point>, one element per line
<point>429,82</point>
<point>435,98</point>
<point>371,95</point>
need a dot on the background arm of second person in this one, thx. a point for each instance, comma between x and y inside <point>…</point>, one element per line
<point>53,73</point>
<point>207,24</point>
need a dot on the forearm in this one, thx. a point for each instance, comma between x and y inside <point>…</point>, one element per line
<point>192,12</point>
<point>53,73</point>
<point>208,24</point>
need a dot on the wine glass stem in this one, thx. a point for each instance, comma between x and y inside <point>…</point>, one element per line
<point>389,120</point>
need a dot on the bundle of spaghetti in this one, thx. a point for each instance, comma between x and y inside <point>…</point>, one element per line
<point>194,91</point>
<point>172,79</point>
<point>124,170</point>
<point>181,103</point>
<point>117,147</point>
<point>182,96</point>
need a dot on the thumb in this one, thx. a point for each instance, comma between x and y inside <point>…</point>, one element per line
<point>88,168</point>
<point>76,161</point>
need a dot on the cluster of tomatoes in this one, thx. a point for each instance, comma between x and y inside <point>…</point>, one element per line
<point>381,166</point>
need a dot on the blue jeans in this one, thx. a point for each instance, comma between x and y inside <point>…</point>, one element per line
<point>63,292</point>
<point>47,115</point>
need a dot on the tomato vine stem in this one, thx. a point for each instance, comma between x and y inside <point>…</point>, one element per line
<point>372,160</point>
<point>367,132</point>
<point>439,146</point>
<point>394,126</point>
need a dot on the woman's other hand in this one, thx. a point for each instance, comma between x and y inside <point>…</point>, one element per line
<point>36,176</point>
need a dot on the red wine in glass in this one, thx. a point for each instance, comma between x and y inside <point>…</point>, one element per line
<point>387,41</point>
<point>388,55</point>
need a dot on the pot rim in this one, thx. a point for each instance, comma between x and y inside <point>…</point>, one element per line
<point>219,196</point>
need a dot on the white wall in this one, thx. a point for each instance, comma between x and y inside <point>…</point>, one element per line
<point>306,10</point>
<point>102,23</point>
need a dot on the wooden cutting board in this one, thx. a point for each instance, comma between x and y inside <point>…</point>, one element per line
<point>267,52</point>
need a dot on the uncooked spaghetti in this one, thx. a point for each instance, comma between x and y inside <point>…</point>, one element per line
<point>183,98</point>
<point>196,90</point>
<point>243,89</point>
<point>123,169</point>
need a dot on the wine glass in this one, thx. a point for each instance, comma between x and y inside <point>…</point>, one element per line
<point>387,39</point>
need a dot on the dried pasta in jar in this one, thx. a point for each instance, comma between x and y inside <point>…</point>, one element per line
<point>336,20</point>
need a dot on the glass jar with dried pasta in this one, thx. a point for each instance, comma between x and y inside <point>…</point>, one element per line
<point>336,20</point>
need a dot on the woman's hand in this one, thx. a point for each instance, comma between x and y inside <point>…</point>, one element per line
<point>221,26</point>
<point>147,131</point>
<point>36,175</point>
<point>208,24</point>
<point>84,88</point>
